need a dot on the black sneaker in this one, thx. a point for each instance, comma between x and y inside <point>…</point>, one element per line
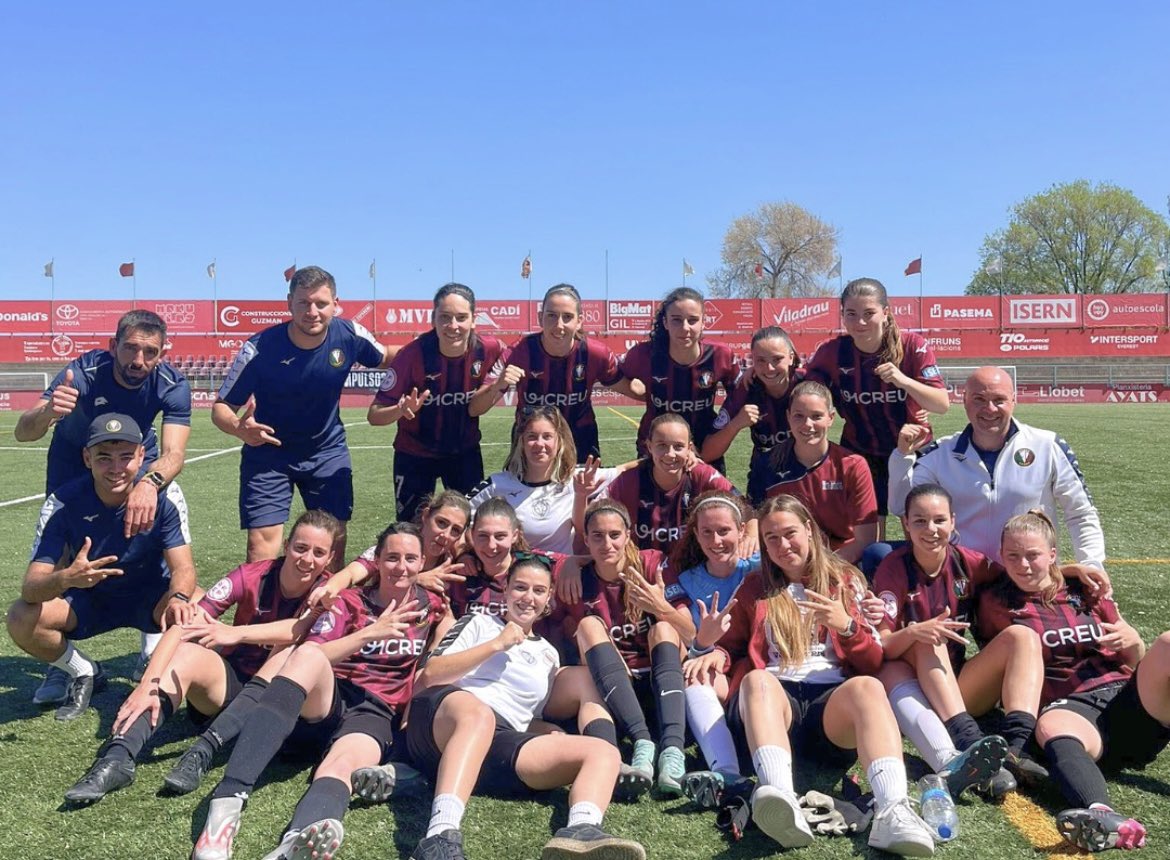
<point>998,787</point>
<point>79,694</point>
<point>190,769</point>
<point>590,842</point>
<point>104,776</point>
<point>447,845</point>
<point>53,689</point>
<point>1025,769</point>
<point>1100,828</point>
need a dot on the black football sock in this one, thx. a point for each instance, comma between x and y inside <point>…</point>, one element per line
<point>963,729</point>
<point>613,682</point>
<point>1076,773</point>
<point>271,722</point>
<point>226,726</point>
<point>128,746</point>
<point>327,797</point>
<point>666,679</point>
<point>603,729</point>
<point>1017,729</point>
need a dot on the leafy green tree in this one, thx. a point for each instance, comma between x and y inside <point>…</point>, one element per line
<point>778,251</point>
<point>1075,238</point>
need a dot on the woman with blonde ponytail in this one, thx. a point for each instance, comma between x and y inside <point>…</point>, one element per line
<point>802,659</point>
<point>631,639</point>
<point>880,377</point>
<point>1105,702</point>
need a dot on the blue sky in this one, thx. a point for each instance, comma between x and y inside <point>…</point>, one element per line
<point>261,133</point>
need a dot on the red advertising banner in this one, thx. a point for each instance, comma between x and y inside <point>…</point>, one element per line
<point>800,315</point>
<point>88,317</point>
<point>250,317</point>
<point>906,310</point>
<point>592,315</point>
<point>495,316</point>
<point>182,316</point>
<point>49,348</point>
<point>1139,309</point>
<point>736,316</point>
<point>1042,311</point>
<point>629,315</point>
<point>20,317</point>
<point>960,312</point>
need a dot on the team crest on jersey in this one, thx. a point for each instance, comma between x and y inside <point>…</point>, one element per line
<point>961,584</point>
<point>390,380</point>
<point>1024,457</point>
<point>706,379</point>
<point>113,425</point>
<point>222,590</point>
<point>541,508</point>
<point>579,372</point>
<point>528,658</point>
<point>336,357</point>
<point>1074,600</point>
<point>476,367</point>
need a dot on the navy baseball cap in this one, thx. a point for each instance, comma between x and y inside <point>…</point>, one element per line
<point>113,427</point>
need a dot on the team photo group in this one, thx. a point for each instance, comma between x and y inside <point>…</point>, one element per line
<point>639,607</point>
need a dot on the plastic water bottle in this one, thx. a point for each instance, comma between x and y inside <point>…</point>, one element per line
<point>938,810</point>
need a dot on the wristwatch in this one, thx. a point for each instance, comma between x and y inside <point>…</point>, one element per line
<point>156,478</point>
<point>186,598</point>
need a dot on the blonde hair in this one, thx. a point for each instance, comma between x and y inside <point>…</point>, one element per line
<point>566,455</point>
<point>631,558</point>
<point>1036,522</point>
<point>825,573</point>
<point>872,288</point>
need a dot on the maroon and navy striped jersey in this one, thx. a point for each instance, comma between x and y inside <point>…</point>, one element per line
<point>565,382</point>
<point>911,595</point>
<point>443,426</point>
<point>254,589</point>
<point>658,515</point>
<point>874,411</point>
<point>838,491</point>
<point>606,601</point>
<point>772,428</point>
<point>384,668</point>
<point>1068,629</point>
<point>687,390</point>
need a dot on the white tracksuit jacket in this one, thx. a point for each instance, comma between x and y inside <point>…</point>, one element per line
<point>1035,469</point>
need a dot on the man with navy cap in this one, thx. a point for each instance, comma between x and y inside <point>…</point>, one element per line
<point>86,576</point>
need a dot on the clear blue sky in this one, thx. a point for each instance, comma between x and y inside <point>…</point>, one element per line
<point>335,133</point>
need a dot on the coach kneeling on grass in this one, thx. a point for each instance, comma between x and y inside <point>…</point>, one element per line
<point>85,577</point>
<point>996,468</point>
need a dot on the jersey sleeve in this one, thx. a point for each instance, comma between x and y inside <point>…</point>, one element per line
<point>709,478</point>
<point>225,594</point>
<point>176,403</point>
<point>637,363</point>
<point>467,632</point>
<point>730,370</point>
<point>484,490</point>
<point>510,355</point>
<point>889,584</point>
<point>80,380</point>
<point>368,352</point>
<point>861,496</point>
<point>1080,514</point>
<point>736,400</point>
<point>51,539</point>
<point>919,362</point>
<point>820,366</point>
<point>172,512</point>
<point>338,620</point>
<point>607,370</point>
<point>240,382</point>
<point>400,376</point>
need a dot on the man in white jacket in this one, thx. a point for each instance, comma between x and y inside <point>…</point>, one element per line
<point>996,468</point>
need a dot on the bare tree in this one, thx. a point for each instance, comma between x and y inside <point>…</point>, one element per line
<point>779,251</point>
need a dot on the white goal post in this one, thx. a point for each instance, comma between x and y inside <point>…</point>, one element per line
<point>955,376</point>
<point>24,380</point>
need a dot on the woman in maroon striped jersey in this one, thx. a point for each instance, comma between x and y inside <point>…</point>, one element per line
<point>631,639</point>
<point>681,372</point>
<point>881,378</point>
<point>558,367</point>
<point>343,691</point>
<point>1106,699</point>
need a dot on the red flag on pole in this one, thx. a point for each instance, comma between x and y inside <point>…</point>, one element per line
<point>289,272</point>
<point>915,267</point>
<point>126,270</point>
<point>759,271</point>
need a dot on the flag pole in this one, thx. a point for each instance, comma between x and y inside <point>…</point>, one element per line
<point>133,284</point>
<point>607,286</point>
<point>52,295</point>
<point>920,267</point>
<point>529,279</point>
<point>452,265</point>
<point>215,295</point>
<point>684,271</point>
<point>374,278</point>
